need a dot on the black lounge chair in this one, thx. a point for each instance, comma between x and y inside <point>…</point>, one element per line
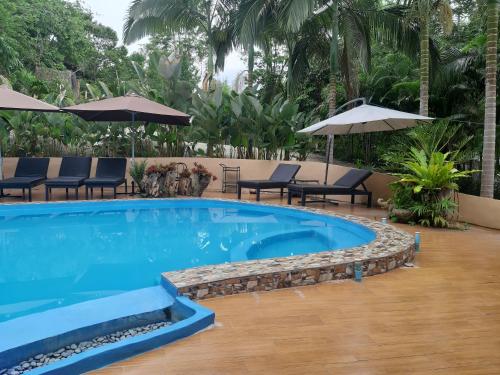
<point>73,172</point>
<point>110,173</point>
<point>346,185</point>
<point>281,177</point>
<point>30,172</point>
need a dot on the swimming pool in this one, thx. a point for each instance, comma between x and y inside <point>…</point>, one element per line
<point>58,254</point>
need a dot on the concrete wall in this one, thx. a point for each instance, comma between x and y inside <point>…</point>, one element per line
<point>250,169</point>
<point>479,211</point>
<point>475,210</point>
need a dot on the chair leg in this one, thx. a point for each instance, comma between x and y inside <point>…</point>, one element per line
<point>281,193</point>
<point>369,200</point>
<point>86,193</point>
<point>67,194</point>
<point>76,193</point>
<point>46,193</point>
<point>289,197</point>
<point>24,194</point>
<point>29,195</point>
<point>102,192</point>
<point>126,188</point>
<point>352,199</point>
<point>114,192</point>
<point>303,198</point>
<point>257,194</point>
<point>239,191</point>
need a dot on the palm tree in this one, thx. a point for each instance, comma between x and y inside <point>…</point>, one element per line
<point>488,173</point>
<point>258,21</point>
<point>211,17</point>
<point>422,11</point>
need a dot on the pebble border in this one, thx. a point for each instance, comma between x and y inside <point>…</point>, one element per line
<point>391,249</point>
<point>41,360</point>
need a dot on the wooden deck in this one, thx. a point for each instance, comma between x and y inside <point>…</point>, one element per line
<point>442,317</point>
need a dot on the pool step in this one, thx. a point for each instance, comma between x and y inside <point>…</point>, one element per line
<point>48,331</point>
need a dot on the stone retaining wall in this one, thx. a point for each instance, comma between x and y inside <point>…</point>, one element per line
<point>391,249</point>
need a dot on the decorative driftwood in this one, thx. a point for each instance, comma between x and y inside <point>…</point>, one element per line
<point>199,184</point>
<point>154,185</point>
<point>171,184</point>
<point>185,186</point>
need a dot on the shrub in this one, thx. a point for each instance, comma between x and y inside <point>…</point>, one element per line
<point>137,171</point>
<point>427,186</point>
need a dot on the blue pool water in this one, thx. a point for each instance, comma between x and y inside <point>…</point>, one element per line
<point>53,255</point>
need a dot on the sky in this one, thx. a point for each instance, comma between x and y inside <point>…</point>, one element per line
<point>112,13</point>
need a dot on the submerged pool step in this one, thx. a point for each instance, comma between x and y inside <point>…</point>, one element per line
<point>49,331</point>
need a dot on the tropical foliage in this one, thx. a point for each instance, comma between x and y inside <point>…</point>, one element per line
<point>427,187</point>
<point>304,58</point>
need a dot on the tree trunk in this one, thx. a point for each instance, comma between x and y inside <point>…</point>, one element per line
<point>209,75</point>
<point>332,95</point>
<point>334,60</point>
<point>251,54</point>
<point>488,164</point>
<point>424,64</point>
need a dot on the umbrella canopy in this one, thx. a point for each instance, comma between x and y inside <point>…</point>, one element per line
<point>365,119</point>
<point>130,107</point>
<point>10,99</point>
<point>13,100</point>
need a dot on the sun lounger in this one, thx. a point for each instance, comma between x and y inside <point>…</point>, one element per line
<point>110,173</point>
<point>30,172</point>
<point>281,177</point>
<point>72,174</point>
<point>346,185</point>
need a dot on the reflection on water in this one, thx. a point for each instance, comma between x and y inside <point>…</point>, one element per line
<point>59,259</point>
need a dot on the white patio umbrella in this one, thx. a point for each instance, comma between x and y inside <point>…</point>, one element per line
<point>363,119</point>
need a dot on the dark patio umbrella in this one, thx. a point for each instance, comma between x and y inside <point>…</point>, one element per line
<point>130,107</point>
<point>13,100</point>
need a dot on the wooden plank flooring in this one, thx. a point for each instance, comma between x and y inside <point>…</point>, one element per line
<point>442,317</point>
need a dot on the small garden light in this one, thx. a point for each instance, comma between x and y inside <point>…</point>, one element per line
<point>358,271</point>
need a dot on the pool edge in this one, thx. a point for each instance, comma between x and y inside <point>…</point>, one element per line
<point>195,319</point>
<point>389,250</point>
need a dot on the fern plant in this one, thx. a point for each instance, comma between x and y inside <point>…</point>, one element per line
<point>432,179</point>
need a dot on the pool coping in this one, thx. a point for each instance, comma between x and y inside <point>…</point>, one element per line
<point>26,337</point>
<point>390,249</point>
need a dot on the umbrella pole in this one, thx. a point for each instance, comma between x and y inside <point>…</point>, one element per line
<point>133,139</point>
<point>329,150</point>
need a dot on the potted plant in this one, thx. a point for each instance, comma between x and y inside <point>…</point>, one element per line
<point>154,182</point>
<point>160,181</point>
<point>200,178</point>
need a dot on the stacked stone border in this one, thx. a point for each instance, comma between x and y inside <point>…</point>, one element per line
<point>391,249</point>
